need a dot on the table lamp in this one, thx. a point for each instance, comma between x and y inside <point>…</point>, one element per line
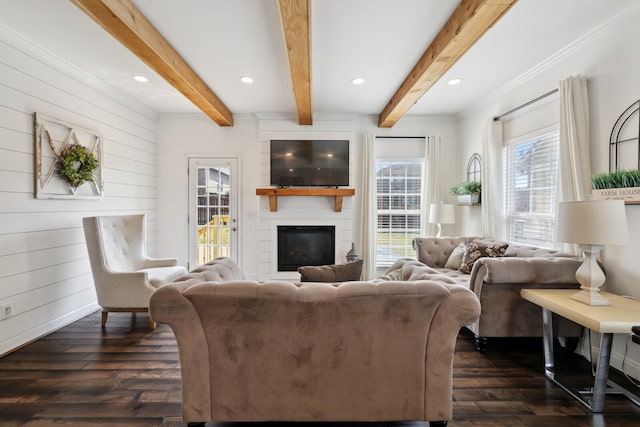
<point>592,224</point>
<point>442,214</point>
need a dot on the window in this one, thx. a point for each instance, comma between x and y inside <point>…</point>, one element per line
<point>399,204</point>
<point>530,184</point>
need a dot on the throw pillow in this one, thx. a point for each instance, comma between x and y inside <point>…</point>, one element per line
<point>455,258</point>
<point>331,273</point>
<point>477,249</point>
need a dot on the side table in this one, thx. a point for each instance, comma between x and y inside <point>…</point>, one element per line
<point>619,317</point>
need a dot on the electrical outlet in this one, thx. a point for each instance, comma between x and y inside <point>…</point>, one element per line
<point>7,311</point>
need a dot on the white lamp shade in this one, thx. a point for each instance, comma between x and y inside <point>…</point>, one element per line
<point>442,214</point>
<point>592,222</point>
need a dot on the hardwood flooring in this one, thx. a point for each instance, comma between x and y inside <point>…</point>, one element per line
<point>128,375</point>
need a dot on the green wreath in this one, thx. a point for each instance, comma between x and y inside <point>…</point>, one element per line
<point>76,165</point>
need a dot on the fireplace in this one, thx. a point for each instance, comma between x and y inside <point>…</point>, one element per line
<point>300,245</point>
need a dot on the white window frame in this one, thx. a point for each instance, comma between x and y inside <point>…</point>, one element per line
<point>536,219</point>
<point>406,250</point>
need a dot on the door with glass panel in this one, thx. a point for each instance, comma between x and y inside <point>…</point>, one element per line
<point>213,201</point>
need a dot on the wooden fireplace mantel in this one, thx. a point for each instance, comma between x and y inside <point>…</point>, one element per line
<point>273,194</point>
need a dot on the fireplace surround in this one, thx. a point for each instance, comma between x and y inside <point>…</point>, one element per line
<point>300,245</point>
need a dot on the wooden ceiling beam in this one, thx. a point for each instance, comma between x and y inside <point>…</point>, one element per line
<point>470,20</point>
<point>127,24</point>
<point>296,17</point>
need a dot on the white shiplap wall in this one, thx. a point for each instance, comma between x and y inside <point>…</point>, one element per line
<point>44,270</point>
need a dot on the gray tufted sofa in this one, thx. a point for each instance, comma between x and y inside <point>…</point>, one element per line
<point>497,283</point>
<point>313,351</point>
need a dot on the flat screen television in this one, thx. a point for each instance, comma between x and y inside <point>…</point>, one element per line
<point>302,163</point>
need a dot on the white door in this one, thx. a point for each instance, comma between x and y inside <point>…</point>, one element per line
<point>213,209</point>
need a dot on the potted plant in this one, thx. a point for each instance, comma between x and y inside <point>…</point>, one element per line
<point>468,192</point>
<point>620,185</point>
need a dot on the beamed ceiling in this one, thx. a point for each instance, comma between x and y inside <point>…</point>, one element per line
<point>129,26</point>
<point>303,54</point>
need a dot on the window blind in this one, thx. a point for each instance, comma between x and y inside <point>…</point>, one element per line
<point>399,204</point>
<point>530,188</point>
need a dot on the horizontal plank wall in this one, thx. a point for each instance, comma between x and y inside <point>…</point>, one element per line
<point>44,270</point>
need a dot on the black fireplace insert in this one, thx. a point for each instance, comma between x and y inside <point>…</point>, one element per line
<point>301,245</point>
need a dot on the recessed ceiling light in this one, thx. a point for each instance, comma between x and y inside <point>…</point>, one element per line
<point>454,82</point>
<point>246,79</point>
<point>357,81</point>
<point>141,79</point>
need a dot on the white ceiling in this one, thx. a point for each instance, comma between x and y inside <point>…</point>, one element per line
<point>378,40</point>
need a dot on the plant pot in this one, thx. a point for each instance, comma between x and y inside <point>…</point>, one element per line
<point>628,194</point>
<point>468,199</point>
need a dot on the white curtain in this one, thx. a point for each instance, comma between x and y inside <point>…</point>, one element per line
<point>492,191</point>
<point>368,225</point>
<point>575,167</point>
<point>431,181</point>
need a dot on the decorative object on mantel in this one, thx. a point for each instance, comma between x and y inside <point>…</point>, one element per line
<point>468,192</point>
<point>353,255</point>
<point>623,180</point>
<point>593,224</point>
<point>68,160</point>
<point>442,214</point>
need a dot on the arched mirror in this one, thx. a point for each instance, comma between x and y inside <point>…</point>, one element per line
<point>474,168</point>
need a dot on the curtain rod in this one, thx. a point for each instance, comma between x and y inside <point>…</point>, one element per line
<point>526,104</point>
<point>400,137</point>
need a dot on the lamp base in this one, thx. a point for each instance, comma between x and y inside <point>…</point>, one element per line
<point>590,297</point>
<point>591,277</point>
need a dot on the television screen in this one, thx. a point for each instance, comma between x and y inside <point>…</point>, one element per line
<point>309,163</point>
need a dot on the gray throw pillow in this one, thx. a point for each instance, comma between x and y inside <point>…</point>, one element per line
<point>331,273</point>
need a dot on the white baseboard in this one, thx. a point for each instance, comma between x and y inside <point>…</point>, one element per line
<point>33,334</point>
<point>623,358</point>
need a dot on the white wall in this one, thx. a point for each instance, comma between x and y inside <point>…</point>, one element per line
<point>608,57</point>
<point>44,270</point>
<point>181,136</point>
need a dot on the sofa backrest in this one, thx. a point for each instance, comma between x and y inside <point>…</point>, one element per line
<point>222,269</point>
<point>435,251</point>
<point>524,251</point>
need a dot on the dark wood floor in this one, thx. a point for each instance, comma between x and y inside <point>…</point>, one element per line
<point>129,376</point>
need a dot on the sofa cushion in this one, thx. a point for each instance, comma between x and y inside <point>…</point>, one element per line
<point>331,273</point>
<point>455,259</point>
<point>479,248</point>
<point>393,275</point>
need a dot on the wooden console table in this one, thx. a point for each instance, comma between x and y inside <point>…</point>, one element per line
<point>273,194</point>
<point>619,317</point>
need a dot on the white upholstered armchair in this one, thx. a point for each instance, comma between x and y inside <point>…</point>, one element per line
<point>124,276</point>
